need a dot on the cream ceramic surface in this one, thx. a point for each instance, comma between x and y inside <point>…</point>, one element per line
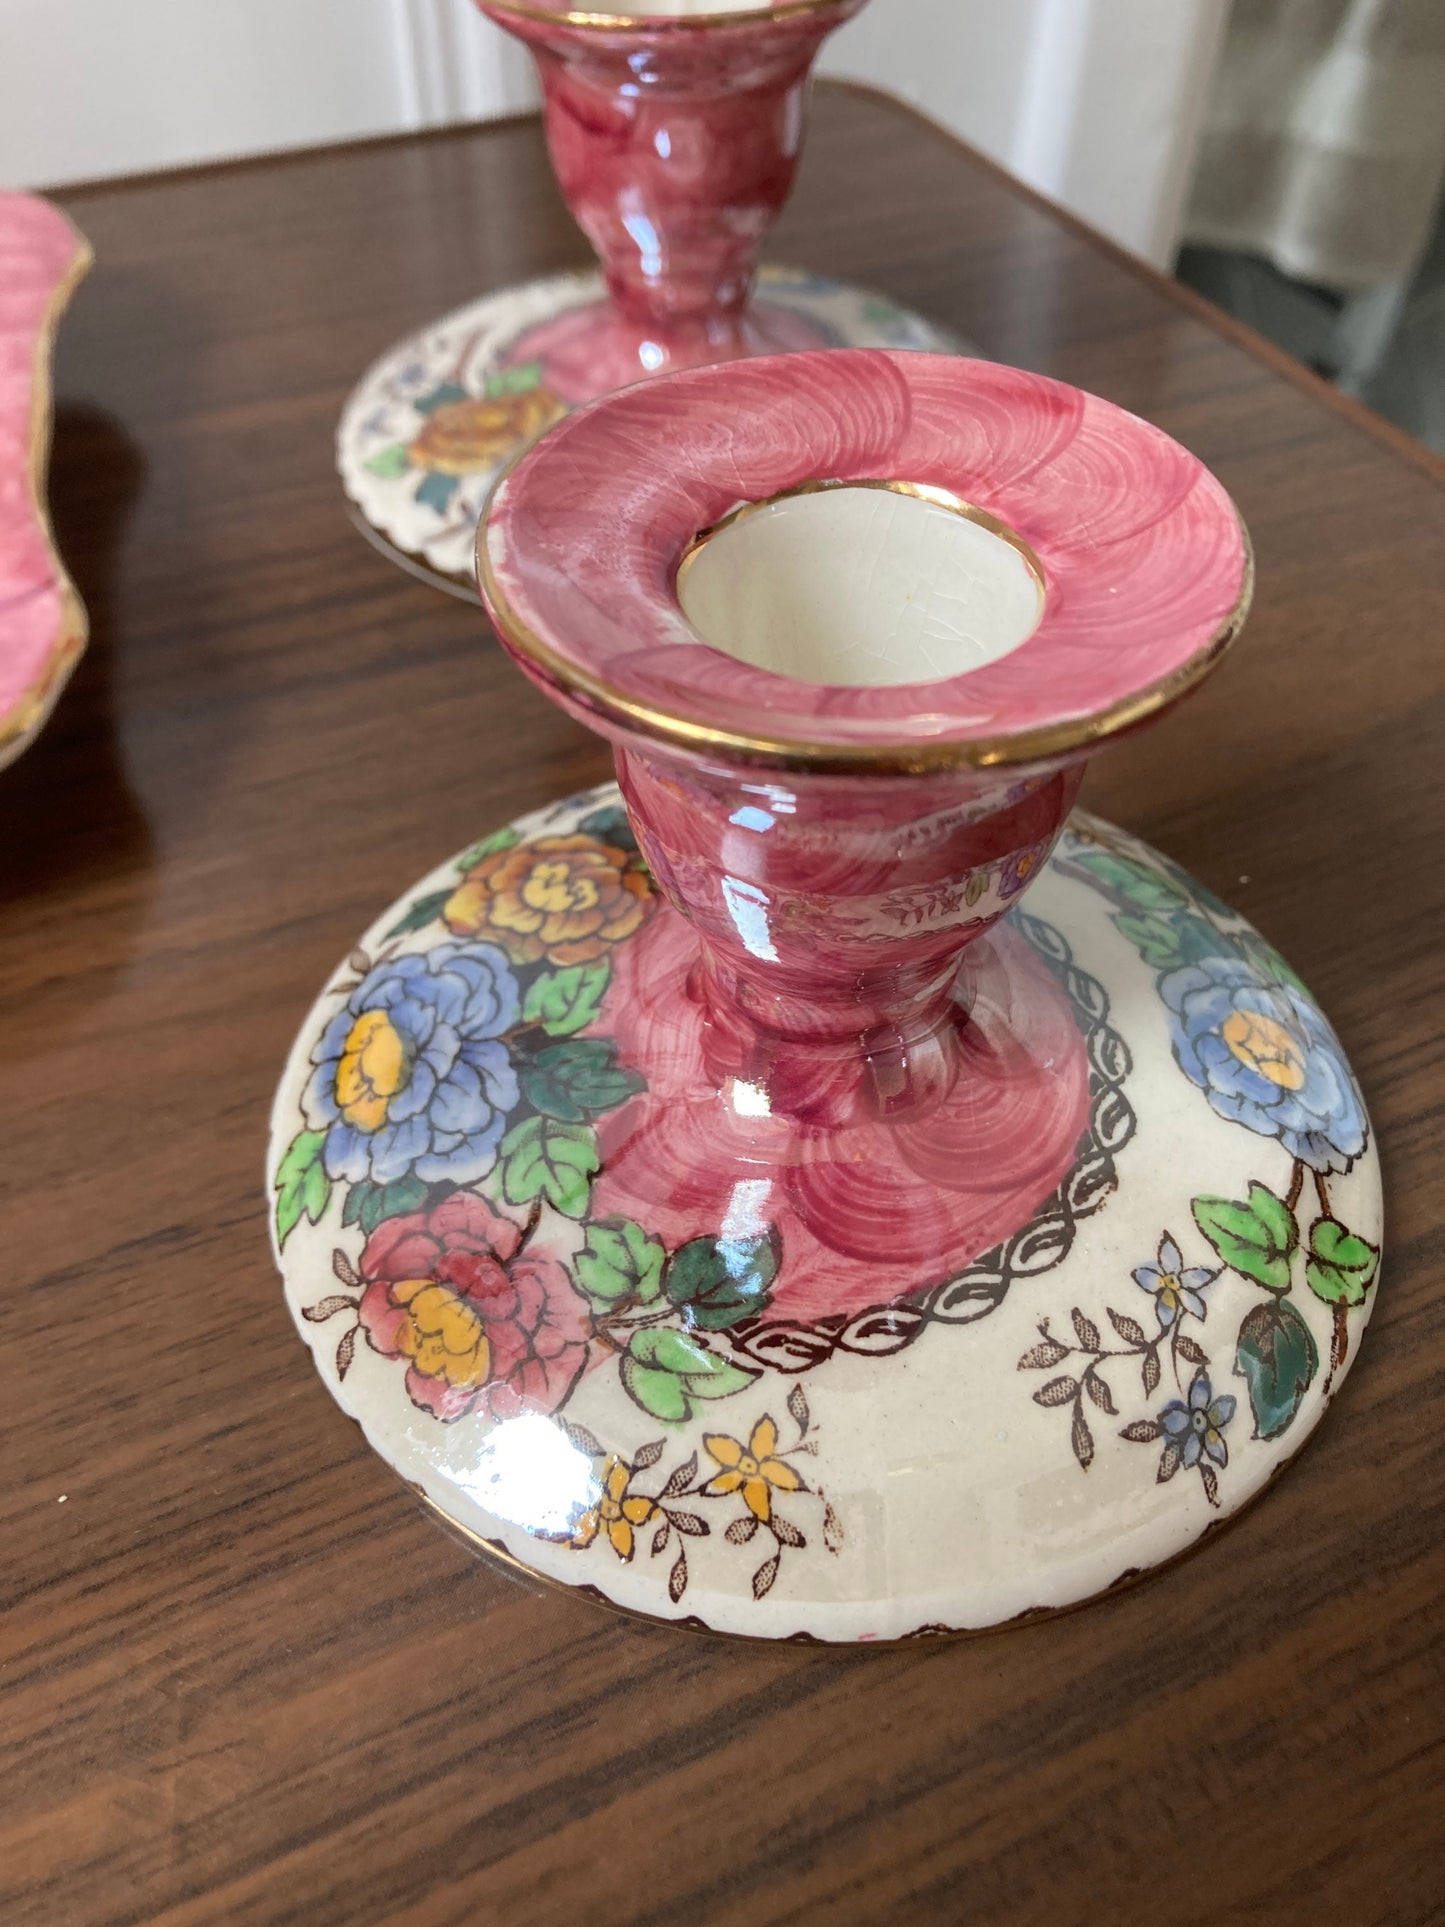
<point>419,488</point>
<point>1076,1406</point>
<point>859,588</point>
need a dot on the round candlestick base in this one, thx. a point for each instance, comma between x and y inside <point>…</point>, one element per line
<point>621,1328</point>
<point>428,428</point>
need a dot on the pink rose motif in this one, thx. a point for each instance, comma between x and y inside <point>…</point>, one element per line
<point>484,1323</point>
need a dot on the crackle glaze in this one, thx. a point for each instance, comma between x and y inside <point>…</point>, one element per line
<point>722,1193</point>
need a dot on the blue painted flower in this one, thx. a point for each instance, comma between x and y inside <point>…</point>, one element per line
<point>1265,1057</point>
<point>1195,1429</point>
<point>1175,1289</point>
<point>411,1077</point>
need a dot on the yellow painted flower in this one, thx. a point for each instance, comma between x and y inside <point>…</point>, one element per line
<point>1264,1046</point>
<point>461,437</point>
<point>441,1334</point>
<point>373,1068</point>
<point>752,1469</point>
<point>615,1513</point>
<point>565,898</point>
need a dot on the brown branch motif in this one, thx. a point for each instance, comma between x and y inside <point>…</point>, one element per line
<point>1191,1426</point>
<point>754,1471</point>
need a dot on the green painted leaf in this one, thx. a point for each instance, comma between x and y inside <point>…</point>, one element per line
<point>1168,942</point>
<point>611,825</point>
<point>1154,937</point>
<point>489,846</point>
<point>663,1394</point>
<point>564,1001</point>
<point>449,391</point>
<point>1199,939</point>
<point>424,911</point>
<point>707,1375</point>
<point>879,313</point>
<point>1256,1239</point>
<point>1341,1267</point>
<point>717,1282</point>
<point>672,1350</point>
<point>390,462</point>
<point>369,1204</point>
<point>1200,894</point>
<point>515,381</point>
<point>620,1261</point>
<point>434,491</point>
<point>721,1382</point>
<point>698,1373</point>
<point>1277,1358</point>
<point>545,1159</point>
<point>1266,961</point>
<point>578,1079</point>
<point>315,1191</point>
<point>1137,884</point>
<point>302,1186</point>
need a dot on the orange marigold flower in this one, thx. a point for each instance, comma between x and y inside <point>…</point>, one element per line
<point>565,898</point>
<point>752,1469</point>
<point>616,1512</point>
<point>461,437</point>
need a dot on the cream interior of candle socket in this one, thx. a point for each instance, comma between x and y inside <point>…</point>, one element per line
<point>859,588</point>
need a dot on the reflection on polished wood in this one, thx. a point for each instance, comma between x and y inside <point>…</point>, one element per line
<point>246,1678</point>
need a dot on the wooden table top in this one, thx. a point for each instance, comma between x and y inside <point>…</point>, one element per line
<point>245,1678</point>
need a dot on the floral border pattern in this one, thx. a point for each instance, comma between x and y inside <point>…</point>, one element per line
<point>451,1109</point>
<point>752,1470</point>
<point>1247,1035</point>
<point>451,1113</point>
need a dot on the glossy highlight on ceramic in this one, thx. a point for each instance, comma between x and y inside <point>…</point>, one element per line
<point>612,1392</point>
<point>748,1206</point>
<point>675,143</point>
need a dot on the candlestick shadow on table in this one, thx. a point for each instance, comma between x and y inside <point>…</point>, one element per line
<point>841,1194</point>
<point>675,132</point>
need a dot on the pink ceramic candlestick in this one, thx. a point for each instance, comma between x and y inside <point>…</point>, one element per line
<point>830,927</point>
<point>743,1206</point>
<point>815,1013</point>
<point>675,131</point>
<point>675,142</point>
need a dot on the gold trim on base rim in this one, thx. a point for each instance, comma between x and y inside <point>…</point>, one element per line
<point>1127,1581</point>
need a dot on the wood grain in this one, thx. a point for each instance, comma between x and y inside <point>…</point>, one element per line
<point>244,1678</point>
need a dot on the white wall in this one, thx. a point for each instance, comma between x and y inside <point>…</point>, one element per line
<point>1096,102</point>
<point>101,87</point>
